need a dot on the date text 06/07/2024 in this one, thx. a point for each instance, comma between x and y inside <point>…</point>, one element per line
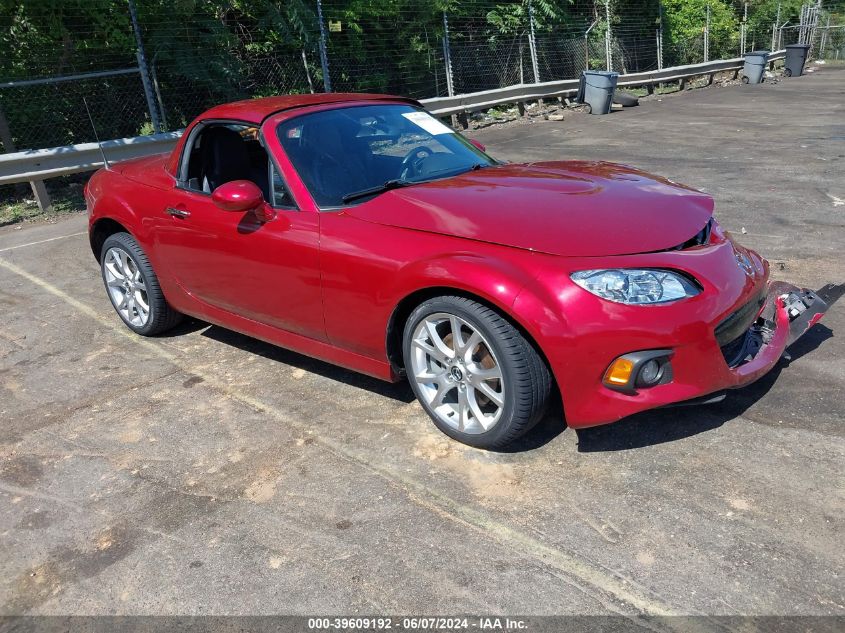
<point>418,623</point>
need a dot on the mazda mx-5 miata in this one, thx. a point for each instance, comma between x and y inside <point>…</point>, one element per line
<point>361,230</point>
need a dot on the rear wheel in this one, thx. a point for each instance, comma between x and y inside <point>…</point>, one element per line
<point>474,373</point>
<point>133,287</point>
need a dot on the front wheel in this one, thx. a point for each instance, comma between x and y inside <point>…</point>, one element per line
<point>474,373</point>
<point>133,287</point>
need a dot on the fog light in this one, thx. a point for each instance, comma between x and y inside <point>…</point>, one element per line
<point>619,372</point>
<point>642,370</point>
<point>649,373</point>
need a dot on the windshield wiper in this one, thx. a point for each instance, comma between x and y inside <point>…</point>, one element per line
<point>387,186</point>
<point>398,184</point>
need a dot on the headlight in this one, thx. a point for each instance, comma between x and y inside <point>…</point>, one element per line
<point>635,286</point>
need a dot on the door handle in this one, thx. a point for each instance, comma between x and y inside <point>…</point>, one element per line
<point>177,213</point>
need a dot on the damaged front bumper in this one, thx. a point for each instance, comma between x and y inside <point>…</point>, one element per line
<point>786,314</point>
<point>740,349</point>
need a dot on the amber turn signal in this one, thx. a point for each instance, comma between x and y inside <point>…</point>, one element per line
<point>619,372</point>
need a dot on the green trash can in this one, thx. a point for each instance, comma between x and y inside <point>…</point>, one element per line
<point>796,56</point>
<point>599,86</point>
<point>755,67</point>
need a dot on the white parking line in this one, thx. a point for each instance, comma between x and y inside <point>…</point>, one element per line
<point>592,579</point>
<point>52,239</point>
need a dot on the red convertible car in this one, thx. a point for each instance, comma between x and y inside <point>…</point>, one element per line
<point>361,230</point>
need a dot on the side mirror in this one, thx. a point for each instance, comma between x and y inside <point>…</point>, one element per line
<point>241,196</point>
<point>478,144</point>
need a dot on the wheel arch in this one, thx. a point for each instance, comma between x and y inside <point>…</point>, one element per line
<point>101,230</point>
<point>109,197</point>
<point>404,308</point>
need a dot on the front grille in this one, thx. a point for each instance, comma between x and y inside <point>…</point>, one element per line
<point>743,348</point>
<point>699,239</point>
<point>732,351</point>
<point>737,323</point>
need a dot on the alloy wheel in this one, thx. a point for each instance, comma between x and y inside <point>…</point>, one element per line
<point>457,373</point>
<point>126,286</point>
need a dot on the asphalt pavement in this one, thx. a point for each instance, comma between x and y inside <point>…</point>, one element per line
<point>204,472</point>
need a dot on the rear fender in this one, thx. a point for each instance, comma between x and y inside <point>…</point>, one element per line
<point>107,196</point>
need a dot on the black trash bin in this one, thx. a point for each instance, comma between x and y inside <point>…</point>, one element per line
<point>596,90</point>
<point>754,71</point>
<point>796,56</point>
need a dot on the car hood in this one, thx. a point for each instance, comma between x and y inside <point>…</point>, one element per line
<point>571,208</point>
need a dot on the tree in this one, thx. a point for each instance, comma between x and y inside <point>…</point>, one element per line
<point>762,15</point>
<point>684,28</point>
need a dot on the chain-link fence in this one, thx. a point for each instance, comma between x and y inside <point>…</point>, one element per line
<point>153,65</point>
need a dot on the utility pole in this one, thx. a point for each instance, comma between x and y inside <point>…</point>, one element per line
<point>659,35</point>
<point>801,22</point>
<point>707,35</point>
<point>607,37</point>
<point>587,44</point>
<point>324,55</point>
<point>813,25</point>
<point>532,43</point>
<point>142,67</point>
<point>775,30</point>
<point>780,34</point>
<point>447,57</point>
<point>307,72</point>
<point>744,30</point>
<point>823,44</point>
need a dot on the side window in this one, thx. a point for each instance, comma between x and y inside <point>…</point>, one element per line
<point>279,194</point>
<point>223,152</point>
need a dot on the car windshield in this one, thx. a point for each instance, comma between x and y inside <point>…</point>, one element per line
<point>348,155</point>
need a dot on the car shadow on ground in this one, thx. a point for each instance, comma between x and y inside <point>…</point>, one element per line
<point>668,425</point>
<point>644,429</point>
<point>400,391</point>
<point>188,326</point>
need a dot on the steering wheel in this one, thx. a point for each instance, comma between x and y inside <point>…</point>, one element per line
<point>413,160</point>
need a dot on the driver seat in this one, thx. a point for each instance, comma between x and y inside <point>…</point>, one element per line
<point>224,158</point>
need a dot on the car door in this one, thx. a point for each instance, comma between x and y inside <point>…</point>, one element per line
<point>265,271</point>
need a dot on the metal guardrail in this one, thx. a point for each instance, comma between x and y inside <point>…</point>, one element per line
<point>41,164</point>
<point>445,106</point>
<point>76,77</point>
<point>35,166</point>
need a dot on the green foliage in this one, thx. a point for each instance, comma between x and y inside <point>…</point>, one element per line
<point>398,41</point>
<point>54,37</point>
<point>763,13</point>
<point>512,18</point>
<point>685,20</point>
<point>203,52</point>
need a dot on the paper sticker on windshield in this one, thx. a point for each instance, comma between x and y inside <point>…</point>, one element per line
<point>428,123</point>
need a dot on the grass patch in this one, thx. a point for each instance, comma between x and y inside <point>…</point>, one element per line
<point>17,203</point>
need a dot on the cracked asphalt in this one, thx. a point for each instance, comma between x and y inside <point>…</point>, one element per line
<point>208,473</point>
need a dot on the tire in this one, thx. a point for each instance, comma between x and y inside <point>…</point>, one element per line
<point>489,368</point>
<point>625,99</point>
<point>745,80</point>
<point>787,72</point>
<point>126,272</point>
